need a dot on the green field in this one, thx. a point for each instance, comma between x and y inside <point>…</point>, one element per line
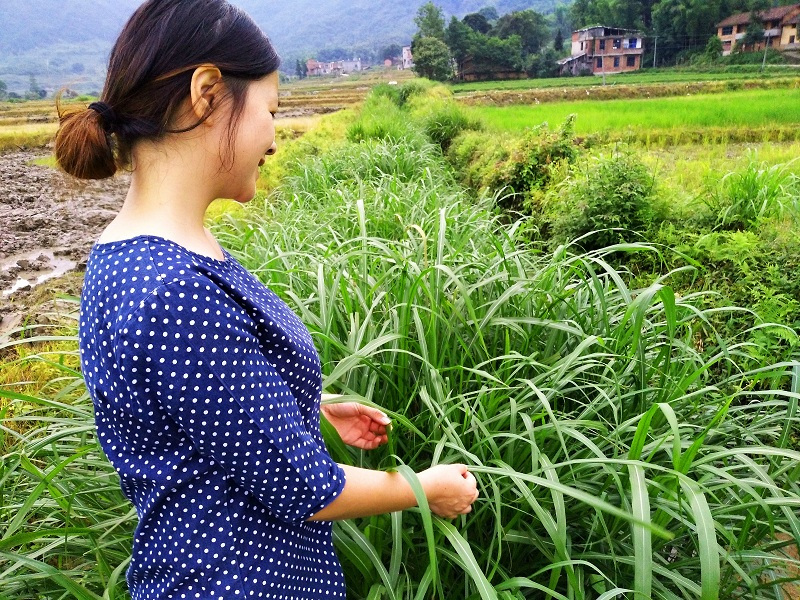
<point>646,76</point>
<point>752,109</point>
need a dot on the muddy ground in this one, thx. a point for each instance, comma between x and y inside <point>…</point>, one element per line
<point>48,223</point>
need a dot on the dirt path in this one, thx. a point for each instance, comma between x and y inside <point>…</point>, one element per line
<point>48,223</point>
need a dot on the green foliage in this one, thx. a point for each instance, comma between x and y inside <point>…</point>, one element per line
<point>754,34</point>
<point>401,94</point>
<point>562,388</point>
<point>531,27</point>
<point>445,121</point>
<point>432,59</point>
<point>515,166</point>
<point>608,201</point>
<point>430,21</point>
<point>745,198</point>
<point>380,119</point>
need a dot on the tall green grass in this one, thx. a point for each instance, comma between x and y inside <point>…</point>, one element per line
<point>623,446</point>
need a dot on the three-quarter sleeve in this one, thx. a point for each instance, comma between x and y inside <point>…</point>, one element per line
<point>192,352</point>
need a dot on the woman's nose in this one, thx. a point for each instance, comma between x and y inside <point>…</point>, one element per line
<point>272,149</point>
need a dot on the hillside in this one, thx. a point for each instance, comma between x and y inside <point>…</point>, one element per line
<point>67,42</point>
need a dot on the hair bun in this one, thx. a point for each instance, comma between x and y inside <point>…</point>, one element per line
<point>84,148</point>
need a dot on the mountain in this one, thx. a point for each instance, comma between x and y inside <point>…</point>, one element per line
<point>66,42</point>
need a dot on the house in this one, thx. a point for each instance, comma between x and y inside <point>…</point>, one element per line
<point>779,24</point>
<point>603,50</point>
<point>471,70</point>
<point>317,69</point>
<point>351,66</point>
<point>408,59</point>
<point>337,67</point>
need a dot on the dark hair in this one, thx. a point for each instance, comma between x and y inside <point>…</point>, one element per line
<point>149,75</point>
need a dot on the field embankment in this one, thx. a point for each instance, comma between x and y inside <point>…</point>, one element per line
<point>574,93</point>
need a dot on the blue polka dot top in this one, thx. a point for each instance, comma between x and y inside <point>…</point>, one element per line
<point>206,390</point>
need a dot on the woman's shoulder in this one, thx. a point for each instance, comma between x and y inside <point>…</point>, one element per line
<point>122,275</point>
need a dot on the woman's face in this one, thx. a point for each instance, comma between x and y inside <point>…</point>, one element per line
<point>254,140</point>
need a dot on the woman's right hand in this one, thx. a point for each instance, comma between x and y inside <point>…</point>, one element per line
<point>450,489</point>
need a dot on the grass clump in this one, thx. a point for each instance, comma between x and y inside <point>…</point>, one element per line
<point>747,197</point>
<point>609,200</point>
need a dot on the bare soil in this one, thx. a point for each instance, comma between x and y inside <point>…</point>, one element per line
<point>48,223</point>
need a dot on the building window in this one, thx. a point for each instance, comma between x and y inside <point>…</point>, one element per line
<point>602,44</point>
<point>617,43</point>
<point>599,62</point>
<point>630,61</point>
<point>632,43</point>
<point>791,39</point>
<point>727,30</point>
<point>616,62</point>
<point>739,28</point>
<point>581,45</point>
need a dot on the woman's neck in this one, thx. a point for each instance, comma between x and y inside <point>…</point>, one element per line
<point>169,194</point>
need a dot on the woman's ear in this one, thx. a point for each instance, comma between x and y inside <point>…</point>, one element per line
<point>206,91</point>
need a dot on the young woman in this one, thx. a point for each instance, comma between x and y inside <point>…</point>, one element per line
<point>206,386</point>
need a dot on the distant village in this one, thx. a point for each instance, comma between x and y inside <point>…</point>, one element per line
<point>315,68</point>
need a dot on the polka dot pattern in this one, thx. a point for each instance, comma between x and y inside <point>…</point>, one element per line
<point>206,390</point>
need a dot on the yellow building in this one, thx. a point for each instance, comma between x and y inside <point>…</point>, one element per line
<point>779,24</point>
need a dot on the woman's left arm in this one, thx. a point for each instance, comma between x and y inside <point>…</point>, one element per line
<point>358,425</point>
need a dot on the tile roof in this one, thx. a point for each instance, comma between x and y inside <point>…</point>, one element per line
<point>773,14</point>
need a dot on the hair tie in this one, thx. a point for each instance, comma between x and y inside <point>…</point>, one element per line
<point>107,115</point>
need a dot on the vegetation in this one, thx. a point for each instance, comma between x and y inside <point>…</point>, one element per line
<point>633,433</point>
<point>766,110</point>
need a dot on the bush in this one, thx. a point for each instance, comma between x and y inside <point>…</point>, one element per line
<point>745,198</point>
<point>517,166</point>
<point>443,123</point>
<point>612,199</point>
<point>381,119</point>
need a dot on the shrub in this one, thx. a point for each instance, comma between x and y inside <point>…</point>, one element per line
<point>517,166</point>
<point>745,198</point>
<point>610,200</point>
<point>381,119</point>
<point>443,123</point>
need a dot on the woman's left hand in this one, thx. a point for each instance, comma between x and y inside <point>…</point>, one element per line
<point>358,425</point>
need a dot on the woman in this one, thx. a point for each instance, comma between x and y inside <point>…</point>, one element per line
<point>206,386</point>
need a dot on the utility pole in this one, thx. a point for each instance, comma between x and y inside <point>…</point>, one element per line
<point>655,51</point>
<point>766,45</point>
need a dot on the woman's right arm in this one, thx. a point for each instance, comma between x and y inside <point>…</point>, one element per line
<point>450,490</point>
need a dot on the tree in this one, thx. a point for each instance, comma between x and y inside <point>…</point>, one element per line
<point>494,52</point>
<point>558,43</point>
<point>713,49</point>
<point>391,52</point>
<point>754,34</point>
<point>530,26</point>
<point>34,91</point>
<point>3,90</point>
<point>477,22</point>
<point>459,40</point>
<point>490,12</point>
<point>432,59</point>
<point>301,69</point>
<point>430,21</point>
